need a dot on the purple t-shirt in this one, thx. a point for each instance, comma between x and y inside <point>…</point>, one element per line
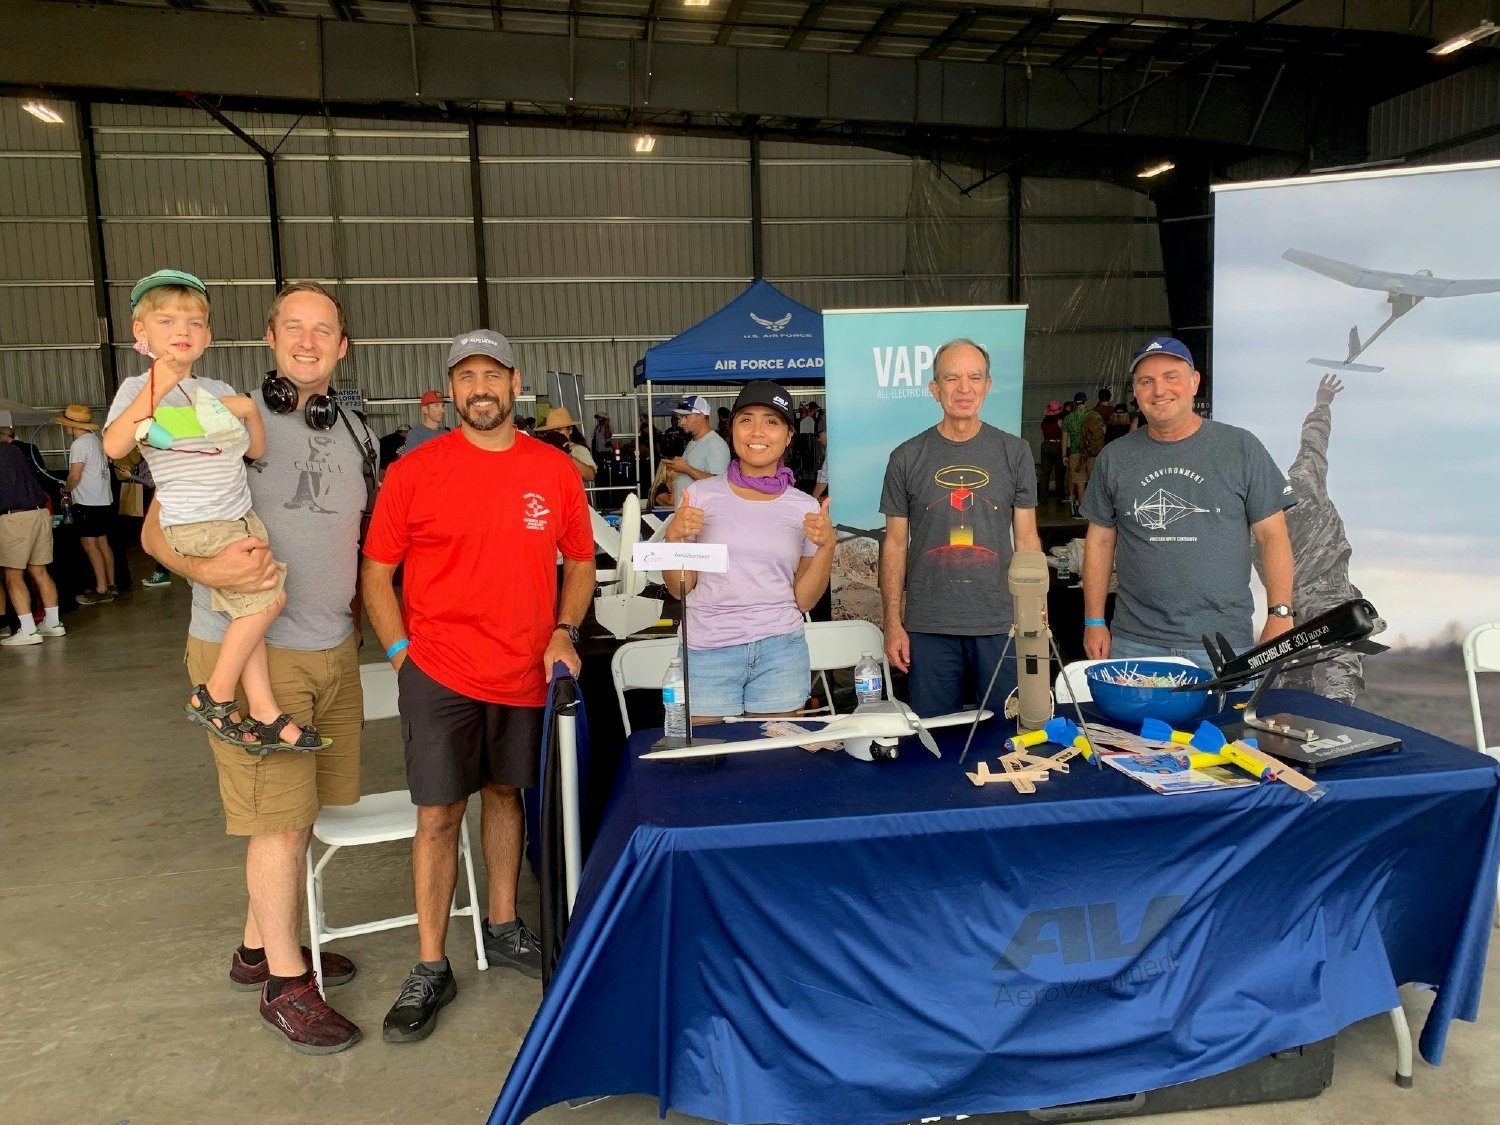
<point>754,598</point>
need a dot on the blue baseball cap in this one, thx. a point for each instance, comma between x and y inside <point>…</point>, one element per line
<point>1162,345</point>
<point>166,277</point>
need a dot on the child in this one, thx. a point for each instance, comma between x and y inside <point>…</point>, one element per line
<point>195,434</point>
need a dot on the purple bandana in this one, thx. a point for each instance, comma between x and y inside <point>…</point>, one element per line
<point>773,485</point>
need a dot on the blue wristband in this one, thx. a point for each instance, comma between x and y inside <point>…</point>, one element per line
<point>390,653</point>
<point>1087,621</point>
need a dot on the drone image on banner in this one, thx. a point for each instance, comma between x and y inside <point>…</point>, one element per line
<point>1404,292</point>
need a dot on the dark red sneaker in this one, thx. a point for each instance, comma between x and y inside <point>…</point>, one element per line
<point>303,1018</point>
<point>244,977</point>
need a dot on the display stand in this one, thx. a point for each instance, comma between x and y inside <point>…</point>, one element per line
<point>699,558</point>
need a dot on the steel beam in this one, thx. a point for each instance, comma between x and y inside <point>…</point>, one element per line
<point>83,127</point>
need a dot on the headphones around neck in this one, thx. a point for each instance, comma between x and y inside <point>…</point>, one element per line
<point>321,412</point>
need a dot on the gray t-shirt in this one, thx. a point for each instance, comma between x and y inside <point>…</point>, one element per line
<point>93,483</point>
<point>958,497</point>
<point>1182,511</point>
<point>708,454</point>
<point>419,434</point>
<point>309,490</point>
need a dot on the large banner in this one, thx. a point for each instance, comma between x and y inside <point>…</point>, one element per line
<point>877,366</point>
<point>1356,329</point>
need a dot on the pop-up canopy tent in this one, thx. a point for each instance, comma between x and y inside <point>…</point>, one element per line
<point>761,334</point>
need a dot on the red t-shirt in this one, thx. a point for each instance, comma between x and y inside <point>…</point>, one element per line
<point>479,531</point>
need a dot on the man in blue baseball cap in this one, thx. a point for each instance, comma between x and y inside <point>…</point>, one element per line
<point>1173,508</point>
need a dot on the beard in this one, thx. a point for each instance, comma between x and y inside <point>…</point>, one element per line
<point>488,421</point>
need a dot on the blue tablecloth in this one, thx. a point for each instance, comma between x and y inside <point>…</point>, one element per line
<point>790,937</point>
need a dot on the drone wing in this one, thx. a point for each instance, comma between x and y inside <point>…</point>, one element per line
<point>1357,276</point>
<point>1445,288</point>
<point>1385,281</point>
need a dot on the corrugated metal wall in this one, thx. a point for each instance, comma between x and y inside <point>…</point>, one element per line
<point>592,252</point>
<point>1454,119</point>
<point>48,339</point>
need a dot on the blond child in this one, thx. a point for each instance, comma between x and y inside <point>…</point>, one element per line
<point>195,434</point>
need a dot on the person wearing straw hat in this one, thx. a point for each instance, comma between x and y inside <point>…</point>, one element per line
<point>93,499</point>
<point>561,432</point>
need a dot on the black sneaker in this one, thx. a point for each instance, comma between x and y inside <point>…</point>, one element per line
<point>515,946</point>
<point>414,1015</point>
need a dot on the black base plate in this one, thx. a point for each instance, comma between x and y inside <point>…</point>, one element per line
<point>1334,743</point>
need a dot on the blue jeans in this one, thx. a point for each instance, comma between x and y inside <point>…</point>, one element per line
<point>763,677</point>
<point>1128,648</point>
<point>947,672</point>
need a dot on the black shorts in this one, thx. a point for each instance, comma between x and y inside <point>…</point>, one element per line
<point>456,745</point>
<point>93,521</point>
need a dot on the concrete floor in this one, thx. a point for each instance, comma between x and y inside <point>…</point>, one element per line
<point>121,899</point>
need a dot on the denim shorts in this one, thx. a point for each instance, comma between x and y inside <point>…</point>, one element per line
<point>762,677</point>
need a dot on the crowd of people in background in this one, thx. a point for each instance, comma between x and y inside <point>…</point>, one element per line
<point>1073,435</point>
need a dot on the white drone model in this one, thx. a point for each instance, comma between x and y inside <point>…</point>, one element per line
<point>880,724</point>
<point>620,607</point>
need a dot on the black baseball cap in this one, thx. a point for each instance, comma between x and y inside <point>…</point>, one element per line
<point>763,392</point>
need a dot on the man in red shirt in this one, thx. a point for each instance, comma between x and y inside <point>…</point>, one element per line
<point>478,516</point>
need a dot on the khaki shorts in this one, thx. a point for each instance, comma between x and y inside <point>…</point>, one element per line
<point>1083,467</point>
<point>26,539</point>
<point>282,792</point>
<point>205,540</point>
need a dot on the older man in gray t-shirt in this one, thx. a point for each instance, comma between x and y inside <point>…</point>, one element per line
<point>958,499</point>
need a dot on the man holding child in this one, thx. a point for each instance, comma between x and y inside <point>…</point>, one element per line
<point>310,649</point>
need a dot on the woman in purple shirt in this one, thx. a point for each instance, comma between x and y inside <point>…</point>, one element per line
<point>749,654</point>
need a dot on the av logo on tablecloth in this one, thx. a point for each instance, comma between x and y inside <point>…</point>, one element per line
<point>1085,933</point>
<point>1079,935</point>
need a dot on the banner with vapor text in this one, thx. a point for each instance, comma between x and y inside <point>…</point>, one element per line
<point>877,367</point>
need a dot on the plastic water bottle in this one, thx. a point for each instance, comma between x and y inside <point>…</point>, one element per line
<point>674,701</point>
<point>869,682</point>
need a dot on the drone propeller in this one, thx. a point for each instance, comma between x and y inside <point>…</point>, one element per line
<point>921,730</point>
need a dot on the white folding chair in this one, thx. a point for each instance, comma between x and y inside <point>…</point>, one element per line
<point>1482,654</point>
<point>640,664</point>
<point>374,819</point>
<point>840,644</point>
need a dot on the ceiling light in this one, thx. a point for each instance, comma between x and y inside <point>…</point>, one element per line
<point>645,143</point>
<point>43,112</point>
<point>696,3</point>
<point>1151,171</point>
<point>1485,29</point>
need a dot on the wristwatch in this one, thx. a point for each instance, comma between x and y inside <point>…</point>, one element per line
<point>1279,610</point>
<point>572,631</point>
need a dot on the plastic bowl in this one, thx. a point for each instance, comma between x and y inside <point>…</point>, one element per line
<point>1133,704</point>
